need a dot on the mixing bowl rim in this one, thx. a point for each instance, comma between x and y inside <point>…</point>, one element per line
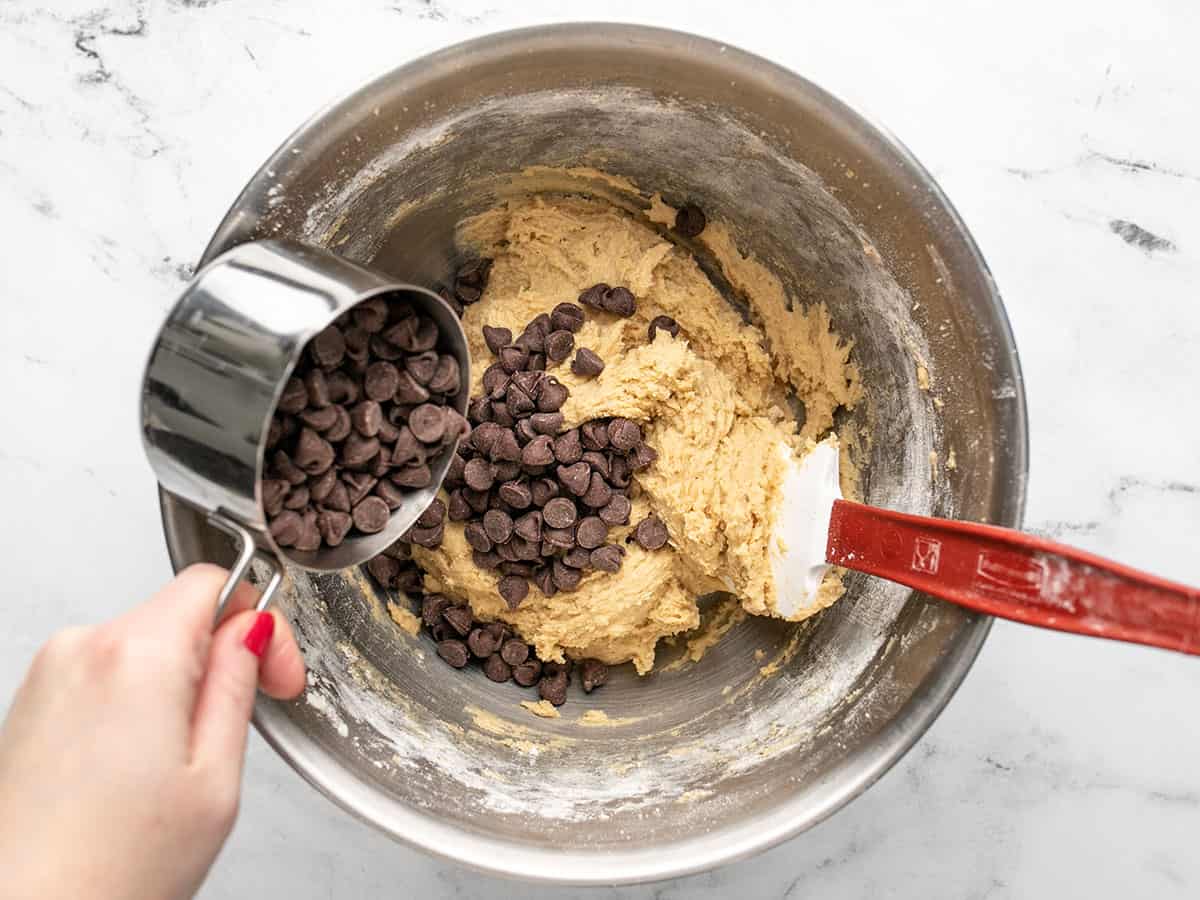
<point>545,863</point>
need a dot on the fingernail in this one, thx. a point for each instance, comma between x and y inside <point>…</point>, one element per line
<point>259,635</point>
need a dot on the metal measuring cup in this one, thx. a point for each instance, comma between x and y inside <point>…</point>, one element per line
<point>215,376</point>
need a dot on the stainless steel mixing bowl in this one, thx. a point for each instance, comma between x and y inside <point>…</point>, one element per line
<point>716,760</point>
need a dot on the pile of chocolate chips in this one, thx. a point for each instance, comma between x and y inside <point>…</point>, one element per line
<point>368,406</point>
<point>461,638</point>
<point>539,501</point>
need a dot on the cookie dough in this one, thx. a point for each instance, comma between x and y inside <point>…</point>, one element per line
<point>713,402</point>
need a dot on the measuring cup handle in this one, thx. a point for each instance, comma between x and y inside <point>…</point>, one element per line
<point>247,551</point>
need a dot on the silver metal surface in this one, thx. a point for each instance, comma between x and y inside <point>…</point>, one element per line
<point>716,761</point>
<point>218,368</point>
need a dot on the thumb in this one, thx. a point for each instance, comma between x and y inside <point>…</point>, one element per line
<point>222,715</point>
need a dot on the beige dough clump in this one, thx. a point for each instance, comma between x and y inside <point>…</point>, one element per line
<point>713,402</point>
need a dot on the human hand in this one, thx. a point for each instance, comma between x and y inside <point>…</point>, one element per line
<point>121,757</point>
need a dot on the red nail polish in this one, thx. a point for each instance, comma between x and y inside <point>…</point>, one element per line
<point>259,635</point>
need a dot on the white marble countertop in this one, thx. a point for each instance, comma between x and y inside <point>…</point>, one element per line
<point>1069,144</point>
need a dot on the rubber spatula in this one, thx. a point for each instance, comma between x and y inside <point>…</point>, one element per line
<point>989,569</point>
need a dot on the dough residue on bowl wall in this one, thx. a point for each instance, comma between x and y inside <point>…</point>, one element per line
<point>715,403</point>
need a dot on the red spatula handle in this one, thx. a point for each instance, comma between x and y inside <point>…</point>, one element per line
<point>1016,576</point>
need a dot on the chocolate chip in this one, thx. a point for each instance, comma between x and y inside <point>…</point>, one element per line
<point>274,491</point>
<point>358,450</point>
<point>446,377</point>
<point>422,367</point>
<point>514,589</point>
<point>518,402</point>
<point>544,579</point>
<point>488,561</point>
<point>458,509</point>
<point>342,388</point>
<point>514,652</point>
<point>432,607</point>
<point>546,423</point>
<point>381,381</point>
<point>294,397</point>
<point>559,513</point>
<point>310,535</point>
<point>565,577</point>
<point>482,643</point>
<point>567,317</point>
<point>459,618</point>
<point>383,569</point>
<point>297,498</point>
<point>500,414</point>
<point>454,652</point>
<point>559,345</point>
<point>543,490</point>
<point>479,474</point>
<point>557,539</point>
<point>338,498</point>
<point>317,387</point>
<point>496,338</point>
<point>663,323</point>
<point>479,411</point>
<point>524,431</point>
<point>496,669</point>
<point>320,418</point>
<point>577,558</point>
<point>598,493</point>
<point>575,478</point>
<point>371,515</point>
<point>641,456</point>
<point>651,533</point>
<point>420,339</point>
<point>516,494</point>
<point>371,315</point>
<point>623,434</point>
<point>477,500</point>
<point>333,526</point>
<point>286,528</point>
<point>434,514</point>
<point>367,418</point>
<point>411,581</point>
<point>399,550</point>
<point>554,689</point>
<point>407,449</point>
<point>513,358</point>
<point>599,462</point>
<point>527,673</point>
<point>409,391</point>
<point>551,395</point>
<point>427,423</point>
<point>340,429</point>
<point>616,512</point>
<point>594,296</point>
<point>414,475</point>
<point>690,220</point>
<point>529,527</point>
<point>506,447</point>
<point>378,346</point>
<point>567,447</point>
<point>328,348</point>
<point>586,363</point>
<point>476,535</point>
<point>538,452</point>
<point>512,567</point>
<point>607,558</point>
<point>618,472</point>
<point>592,674</point>
<point>498,525</point>
<point>619,301</point>
<point>495,381</point>
<point>594,435</point>
<point>592,532</point>
<point>529,382</point>
<point>313,454</point>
